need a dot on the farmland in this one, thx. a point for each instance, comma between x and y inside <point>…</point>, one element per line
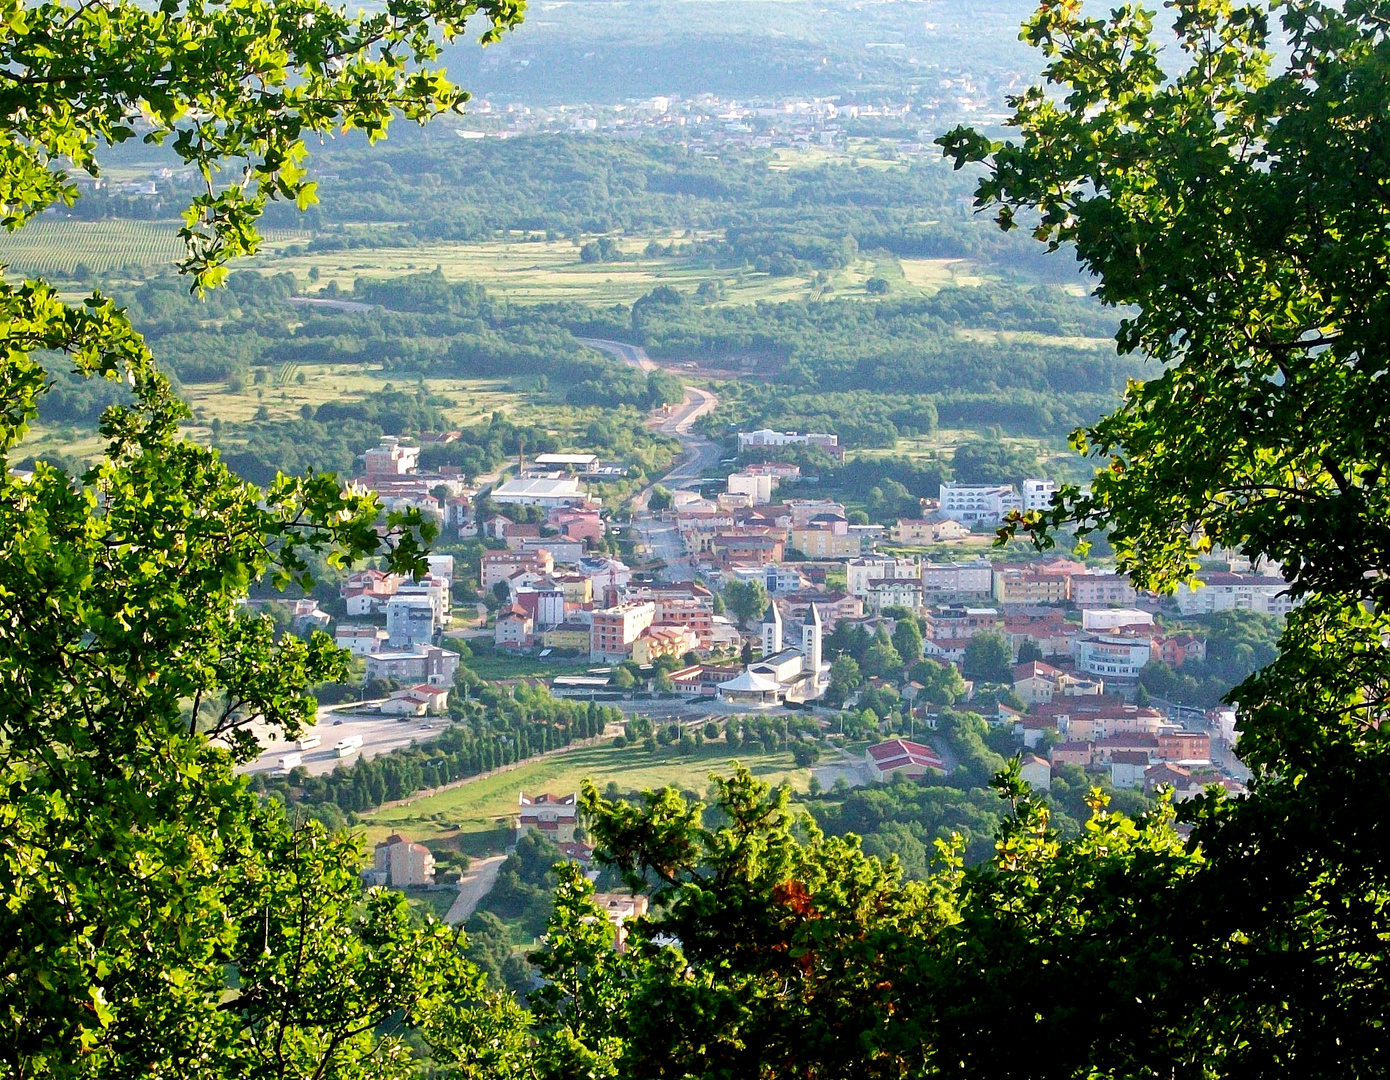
<point>58,247</point>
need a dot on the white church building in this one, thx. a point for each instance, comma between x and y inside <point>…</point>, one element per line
<point>784,672</point>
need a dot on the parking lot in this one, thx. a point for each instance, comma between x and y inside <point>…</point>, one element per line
<point>379,735</point>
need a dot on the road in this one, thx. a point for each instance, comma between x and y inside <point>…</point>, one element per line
<point>380,734</point>
<point>701,455</point>
<point>476,884</point>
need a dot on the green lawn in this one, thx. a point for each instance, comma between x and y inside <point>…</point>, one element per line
<point>455,818</point>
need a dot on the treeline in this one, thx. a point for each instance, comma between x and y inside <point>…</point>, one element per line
<point>960,349</point>
<point>496,728</point>
<point>557,186</point>
<point>419,324</point>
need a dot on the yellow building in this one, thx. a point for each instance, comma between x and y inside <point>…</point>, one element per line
<point>658,641</point>
<point>566,636</point>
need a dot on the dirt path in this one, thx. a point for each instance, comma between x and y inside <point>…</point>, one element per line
<point>476,884</point>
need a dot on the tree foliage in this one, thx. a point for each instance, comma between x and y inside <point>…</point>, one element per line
<point>158,918</point>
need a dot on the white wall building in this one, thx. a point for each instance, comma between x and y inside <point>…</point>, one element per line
<point>410,620</point>
<point>973,504</point>
<point>1234,592</point>
<point>862,572</point>
<point>540,491</point>
<point>1112,657</point>
<point>1112,618</point>
<point>958,578</point>
<point>1037,494</point>
<point>768,437</point>
<point>894,592</point>
<point>758,488</point>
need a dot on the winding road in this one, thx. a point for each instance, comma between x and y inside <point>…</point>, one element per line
<point>701,455</point>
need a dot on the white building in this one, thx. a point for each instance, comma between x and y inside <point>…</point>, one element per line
<point>1234,592</point>
<point>861,573</point>
<point>359,640</point>
<point>1112,657</point>
<point>894,592</point>
<point>564,551</point>
<point>1113,618</point>
<point>764,437</point>
<point>978,503</point>
<point>410,620</point>
<point>540,491</point>
<point>391,458</point>
<point>758,488</point>
<point>958,578</point>
<point>1037,494</point>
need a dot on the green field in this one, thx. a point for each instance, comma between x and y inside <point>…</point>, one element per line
<point>55,247</point>
<point>476,816</point>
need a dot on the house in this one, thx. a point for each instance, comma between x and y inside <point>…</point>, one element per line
<point>1220,591</point>
<point>577,524</point>
<point>957,579</point>
<point>555,816</point>
<point>1027,585</point>
<point>366,592</point>
<point>391,458</point>
<point>1099,620</point>
<point>1035,681</point>
<point>1127,768</point>
<point>1037,494</point>
<point>890,593</point>
<point>514,533</point>
<point>862,572</point>
<point>657,641</point>
<point>765,438</point>
<point>1173,777</point>
<point>403,862</point>
<point>1033,729</point>
<point>514,627</point>
<point>568,635</point>
<point>565,551</point>
<point>1037,772</point>
<point>359,640</point>
<point>621,907</point>
<point>902,757</point>
<point>501,565</point>
<point>1185,746</point>
<point>1100,590</point>
<point>1105,749</point>
<point>703,680</point>
<point>421,700</point>
<point>1071,753</point>
<point>828,539</point>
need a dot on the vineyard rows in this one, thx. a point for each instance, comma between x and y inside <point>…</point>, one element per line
<point>50,247</point>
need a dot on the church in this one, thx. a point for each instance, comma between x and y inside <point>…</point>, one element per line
<point>785,673</point>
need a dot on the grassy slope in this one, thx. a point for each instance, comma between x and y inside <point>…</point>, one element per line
<point>468,816</point>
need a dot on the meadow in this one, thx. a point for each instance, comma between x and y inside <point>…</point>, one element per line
<point>475,817</point>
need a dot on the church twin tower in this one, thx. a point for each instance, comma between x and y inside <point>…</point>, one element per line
<point>812,632</point>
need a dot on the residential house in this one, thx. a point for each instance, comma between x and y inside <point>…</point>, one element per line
<point>404,862</point>
<point>1234,592</point>
<point>498,566</point>
<point>1037,772</point>
<point>1072,752</point>
<point>1127,768</point>
<point>554,816</point>
<point>862,572</point>
<point>410,620</point>
<point>421,700</point>
<point>658,641</point>
<point>514,627</point>
<point>957,579</point>
<point>1028,585</point>
<point>359,640</point>
<point>1113,656</point>
<point>1100,590</point>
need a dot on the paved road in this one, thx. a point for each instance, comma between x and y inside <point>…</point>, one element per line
<point>476,884</point>
<point>380,734</point>
<point>701,455</point>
